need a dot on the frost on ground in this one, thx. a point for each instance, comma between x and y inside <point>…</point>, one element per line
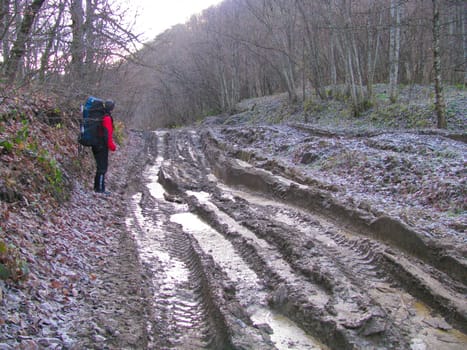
<point>416,177</point>
<point>83,285</point>
<point>87,287</point>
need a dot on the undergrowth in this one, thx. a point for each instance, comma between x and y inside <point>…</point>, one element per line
<point>12,266</point>
<point>414,109</point>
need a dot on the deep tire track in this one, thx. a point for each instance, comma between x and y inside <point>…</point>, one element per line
<point>334,335</point>
<point>379,229</point>
<point>181,317</point>
<point>340,283</point>
<point>359,260</point>
<point>187,296</point>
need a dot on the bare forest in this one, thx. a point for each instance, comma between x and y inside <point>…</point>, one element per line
<point>62,46</point>
<point>236,50</point>
<point>289,174</point>
<point>308,49</point>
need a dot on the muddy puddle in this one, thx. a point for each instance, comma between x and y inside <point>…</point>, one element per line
<point>285,334</point>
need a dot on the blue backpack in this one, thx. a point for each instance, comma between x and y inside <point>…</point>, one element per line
<point>91,129</point>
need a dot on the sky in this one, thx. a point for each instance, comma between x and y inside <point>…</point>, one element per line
<point>155,16</point>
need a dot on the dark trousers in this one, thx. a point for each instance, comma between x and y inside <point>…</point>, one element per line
<point>101,155</point>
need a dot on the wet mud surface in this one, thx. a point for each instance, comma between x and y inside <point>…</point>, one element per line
<point>240,251</point>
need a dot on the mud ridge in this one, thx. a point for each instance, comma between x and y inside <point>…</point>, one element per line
<point>285,298</point>
<point>383,228</point>
<point>462,137</point>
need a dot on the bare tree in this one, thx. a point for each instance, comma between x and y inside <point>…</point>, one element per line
<point>223,52</point>
<point>464,38</point>
<point>89,35</point>
<point>439,98</point>
<point>249,48</point>
<point>278,20</point>
<point>350,55</point>
<point>312,47</point>
<point>51,41</point>
<point>4,25</point>
<point>394,48</point>
<point>18,50</point>
<point>373,32</point>
<point>77,44</point>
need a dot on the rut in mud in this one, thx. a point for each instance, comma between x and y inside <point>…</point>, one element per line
<point>237,257</point>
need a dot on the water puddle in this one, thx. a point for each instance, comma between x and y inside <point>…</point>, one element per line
<point>436,332</point>
<point>150,233</point>
<point>213,243</point>
<point>268,253</point>
<point>151,173</point>
<point>286,334</point>
<point>151,247</point>
<point>155,188</point>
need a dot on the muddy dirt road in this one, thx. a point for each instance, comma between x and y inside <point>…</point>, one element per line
<point>237,256</point>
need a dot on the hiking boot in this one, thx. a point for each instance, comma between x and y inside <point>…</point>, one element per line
<point>104,192</point>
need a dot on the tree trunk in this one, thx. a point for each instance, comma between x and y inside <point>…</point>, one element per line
<point>289,76</point>
<point>77,44</point>
<point>52,37</point>
<point>439,98</point>
<point>4,24</point>
<point>289,66</point>
<point>303,69</point>
<point>464,40</point>
<point>18,50</point>
<point>348,51</point>
<point>372,59</point>
<point>312,46</point>
<point>394,48</point>
<point>333,45</point>
<point>4,14</point>
<point>89,35</point>
<point>358,70</point>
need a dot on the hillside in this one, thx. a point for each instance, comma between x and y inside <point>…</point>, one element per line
<point>391,159</point>
<point>76,274</point>
<point>414,110</point>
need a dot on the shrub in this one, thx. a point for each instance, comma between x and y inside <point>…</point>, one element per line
<point>11,265</point>
<point>118,134</point>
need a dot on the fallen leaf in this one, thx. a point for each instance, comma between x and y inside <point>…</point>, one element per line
<point>56,284</point>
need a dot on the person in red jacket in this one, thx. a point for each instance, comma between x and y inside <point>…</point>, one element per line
<point>101,151</point>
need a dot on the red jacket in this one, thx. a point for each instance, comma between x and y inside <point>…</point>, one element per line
<point>108,125</point>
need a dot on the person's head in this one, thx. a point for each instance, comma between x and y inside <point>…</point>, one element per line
<point>109,106</point>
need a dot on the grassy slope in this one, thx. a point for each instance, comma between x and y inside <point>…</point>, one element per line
<point>413,110</point>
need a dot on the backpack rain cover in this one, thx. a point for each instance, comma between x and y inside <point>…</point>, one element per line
<point>91,129</point>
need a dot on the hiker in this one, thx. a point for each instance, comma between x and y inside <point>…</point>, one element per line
<point>101,150</point>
